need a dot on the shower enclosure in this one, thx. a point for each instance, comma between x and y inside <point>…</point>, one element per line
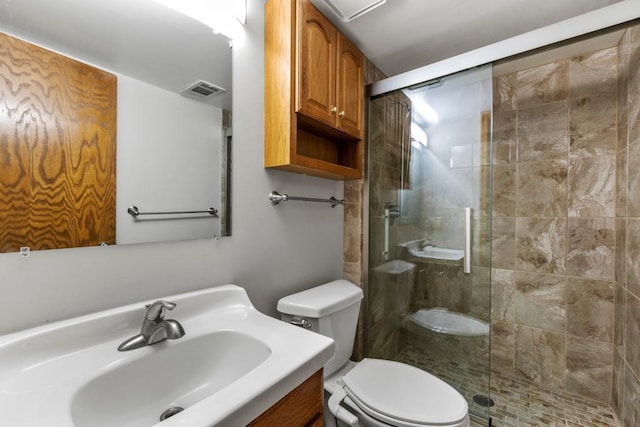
<point>506,195</point>
<point>430,230</point>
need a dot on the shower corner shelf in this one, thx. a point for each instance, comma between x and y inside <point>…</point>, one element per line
<point>315,130</point>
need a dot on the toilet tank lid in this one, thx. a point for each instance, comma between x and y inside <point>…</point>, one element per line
<point>322,300</point>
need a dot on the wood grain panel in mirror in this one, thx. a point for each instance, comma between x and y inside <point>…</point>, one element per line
<point>57,150</point>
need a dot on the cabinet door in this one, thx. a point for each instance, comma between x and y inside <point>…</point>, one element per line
<point>302,407</point>
<point>350,88</point>
<point>316,56</point>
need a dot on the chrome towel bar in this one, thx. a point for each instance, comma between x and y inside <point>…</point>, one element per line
<point>275,198</point>
<point>135,212</point>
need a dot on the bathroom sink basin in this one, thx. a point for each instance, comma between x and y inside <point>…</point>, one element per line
<point>138,392</point>
<point>232,364</point>
<point>417,249</point>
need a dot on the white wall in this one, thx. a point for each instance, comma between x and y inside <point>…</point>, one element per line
<point>273,250</point>
<point>169,159</point>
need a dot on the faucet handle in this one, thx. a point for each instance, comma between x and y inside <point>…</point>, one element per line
<point>155,311</point>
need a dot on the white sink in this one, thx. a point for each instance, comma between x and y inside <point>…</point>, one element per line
<point>177,376</point>
<point>434,253</point>
<point>232,364</point>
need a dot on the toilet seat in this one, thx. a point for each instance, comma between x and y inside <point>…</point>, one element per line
<point>404,396</point>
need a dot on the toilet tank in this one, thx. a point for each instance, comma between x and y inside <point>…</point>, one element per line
<point>332,310</point>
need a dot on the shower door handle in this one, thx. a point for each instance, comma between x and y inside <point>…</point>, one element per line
<point>466,268</point>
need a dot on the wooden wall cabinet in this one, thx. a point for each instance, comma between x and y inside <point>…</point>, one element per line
<point>314,94</point>
<point>302,407</point>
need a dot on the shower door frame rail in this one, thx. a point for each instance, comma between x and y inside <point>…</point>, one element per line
<point>588,23</point>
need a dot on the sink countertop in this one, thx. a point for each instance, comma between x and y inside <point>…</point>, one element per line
<point>44,368</point>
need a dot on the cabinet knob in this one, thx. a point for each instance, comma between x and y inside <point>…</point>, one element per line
<point>334,109</point>
<point>341,113</point>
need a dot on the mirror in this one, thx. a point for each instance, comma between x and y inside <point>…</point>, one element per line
<point>171,148</point>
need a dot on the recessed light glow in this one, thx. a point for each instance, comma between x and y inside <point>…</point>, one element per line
<point>418,134</point>
<point>240,10</point>
<point>222,16</point>
<point>426,111</point>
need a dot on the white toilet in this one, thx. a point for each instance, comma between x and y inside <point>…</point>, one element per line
<point>372,392</point>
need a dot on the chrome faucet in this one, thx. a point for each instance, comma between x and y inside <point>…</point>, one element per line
<point>154,327</point>
<point>426,243</point>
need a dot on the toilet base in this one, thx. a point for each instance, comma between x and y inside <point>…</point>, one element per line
<point>329,387</point>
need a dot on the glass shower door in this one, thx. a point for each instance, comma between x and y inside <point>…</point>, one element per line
<point>429,195</point>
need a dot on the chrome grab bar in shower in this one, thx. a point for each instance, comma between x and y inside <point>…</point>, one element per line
<point>275,198</point>
<point>467,240</point>
<point>135,212</point>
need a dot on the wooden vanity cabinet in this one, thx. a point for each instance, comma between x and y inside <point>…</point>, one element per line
<point>314,93</point>
<point>302,407</point>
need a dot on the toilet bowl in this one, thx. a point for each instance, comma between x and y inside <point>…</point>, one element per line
<point>372,392</point>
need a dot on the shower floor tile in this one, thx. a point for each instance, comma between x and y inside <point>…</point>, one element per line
<point>521,403</point>
<point>518,402</point>
<point>468,380</point>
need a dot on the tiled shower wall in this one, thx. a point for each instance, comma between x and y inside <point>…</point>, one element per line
<point>353,249</point>
<point>555,238</point>
<point>626,361</point>
<point>388,289</point>
<point>554,222</point>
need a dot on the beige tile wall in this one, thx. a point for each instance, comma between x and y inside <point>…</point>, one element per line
<point>566,226</point>
<point>388,293</point>
<point>353,225</point>
<point>626,360</point>
<point>554,226</point>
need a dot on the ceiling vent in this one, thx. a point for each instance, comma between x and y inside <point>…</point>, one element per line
<point>201,90</point>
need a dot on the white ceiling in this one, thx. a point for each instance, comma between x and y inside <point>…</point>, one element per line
<point>138,38</point>
<point>402,35</point>
<point>148,41</point>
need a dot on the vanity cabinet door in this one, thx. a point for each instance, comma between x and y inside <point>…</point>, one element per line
<point>316,72</point>
<point>302,407</point>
